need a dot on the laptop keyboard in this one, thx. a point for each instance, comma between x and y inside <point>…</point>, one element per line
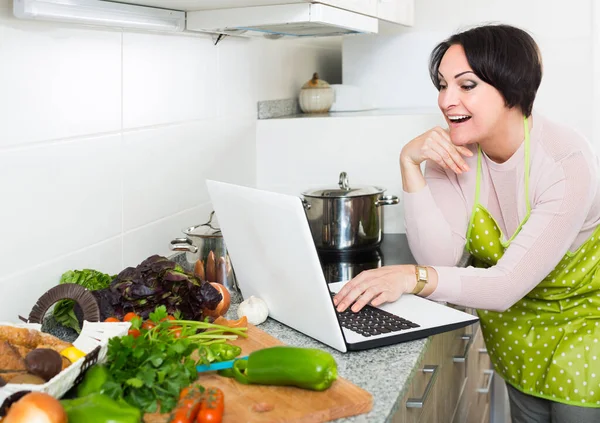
<point>371,321</point>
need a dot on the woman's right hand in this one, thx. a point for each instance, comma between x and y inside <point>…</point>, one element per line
<point>435,145</point>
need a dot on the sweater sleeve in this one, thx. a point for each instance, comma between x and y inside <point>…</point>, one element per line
<point>559,212</point>
<point>436,218</point>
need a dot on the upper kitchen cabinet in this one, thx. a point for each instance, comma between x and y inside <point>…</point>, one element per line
<point>397,11</point>
<point>271,19</point>
<point>366,7</point>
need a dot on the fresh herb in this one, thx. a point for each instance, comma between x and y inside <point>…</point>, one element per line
<point>64,312</point>
<point>150,370</point>
<point>154,282</point>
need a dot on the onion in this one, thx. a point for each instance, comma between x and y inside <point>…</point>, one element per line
<point>36,407</point>
<point>223,305</point>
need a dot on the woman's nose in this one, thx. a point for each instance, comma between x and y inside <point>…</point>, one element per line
<point>447,98</point>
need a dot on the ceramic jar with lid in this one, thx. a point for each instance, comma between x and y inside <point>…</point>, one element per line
<point>316,96</point>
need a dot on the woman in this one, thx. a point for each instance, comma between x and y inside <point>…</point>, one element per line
<point>518,194</point>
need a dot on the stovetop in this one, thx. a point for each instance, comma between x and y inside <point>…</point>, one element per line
<point>344,266</point>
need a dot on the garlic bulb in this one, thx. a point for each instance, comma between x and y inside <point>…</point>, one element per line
<point>255,310</point>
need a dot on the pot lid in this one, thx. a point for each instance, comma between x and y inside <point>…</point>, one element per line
<point>344,190</point>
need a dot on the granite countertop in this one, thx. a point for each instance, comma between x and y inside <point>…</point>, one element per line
<point>385,372</point>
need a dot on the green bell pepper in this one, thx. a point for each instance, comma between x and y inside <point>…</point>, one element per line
<point>217,352</point>
<point>306,368</point>
<point>100,408</point>
<point>94,379</point>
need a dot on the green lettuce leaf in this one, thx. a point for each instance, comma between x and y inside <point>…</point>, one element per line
<point>93,280</point>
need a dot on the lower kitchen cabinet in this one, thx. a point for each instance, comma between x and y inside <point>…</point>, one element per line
<point>452,383</point>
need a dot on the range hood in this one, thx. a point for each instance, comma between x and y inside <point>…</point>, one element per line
<point>290,20</point>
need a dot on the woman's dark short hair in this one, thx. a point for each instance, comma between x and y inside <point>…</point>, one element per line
<point>501,55</point>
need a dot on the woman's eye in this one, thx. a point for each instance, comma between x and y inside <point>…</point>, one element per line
<point>442,87</point>
<point>468,87</point>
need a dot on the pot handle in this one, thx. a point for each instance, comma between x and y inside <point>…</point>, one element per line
<point>387,200</point>
<point>183,244</point>
<point>343,182</point>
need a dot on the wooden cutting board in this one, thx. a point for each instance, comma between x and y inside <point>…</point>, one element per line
<point>290,405</point>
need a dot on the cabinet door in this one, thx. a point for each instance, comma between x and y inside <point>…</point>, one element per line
<point>458,345</point>
<point>397,11</point>
<point>366,7</point>
<point>425,387</point>
<point>482,378</point>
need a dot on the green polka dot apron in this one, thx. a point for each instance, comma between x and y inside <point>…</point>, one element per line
<point>547,344</point>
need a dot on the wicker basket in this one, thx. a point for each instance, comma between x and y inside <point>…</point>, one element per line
<point>93,340</point>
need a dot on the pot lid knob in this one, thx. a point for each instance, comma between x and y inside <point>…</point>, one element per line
<point>344,184</point>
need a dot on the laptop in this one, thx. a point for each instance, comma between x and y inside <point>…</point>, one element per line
<point>274,256</point>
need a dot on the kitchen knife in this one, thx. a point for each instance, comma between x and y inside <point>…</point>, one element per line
<point>218,366</point>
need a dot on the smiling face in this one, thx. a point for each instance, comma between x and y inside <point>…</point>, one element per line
<point>474,110</point>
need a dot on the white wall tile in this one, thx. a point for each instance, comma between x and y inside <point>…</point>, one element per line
<point>233,157</point>
<point>164,169</point>
<point>238,77</point>
<point>168,78</point>
<point>57,81</point>
<point>21,291</point>
<point>58,198</point>
<point>155,238</point>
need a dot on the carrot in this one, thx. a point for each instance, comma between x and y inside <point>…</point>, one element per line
<point>211,410</point>
<point>190,401</point>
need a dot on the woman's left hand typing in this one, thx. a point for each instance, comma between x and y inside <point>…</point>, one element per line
<point>377,286</point>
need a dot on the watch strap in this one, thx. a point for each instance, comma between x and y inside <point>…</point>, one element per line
<point>422,279</point>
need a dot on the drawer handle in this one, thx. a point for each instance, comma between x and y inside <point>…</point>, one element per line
<point>486,390</point>
<point>463,358</point>
<point>483,351</point>
<point>419,402</point>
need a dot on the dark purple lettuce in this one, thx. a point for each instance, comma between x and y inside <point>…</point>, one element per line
<point>156,281</point>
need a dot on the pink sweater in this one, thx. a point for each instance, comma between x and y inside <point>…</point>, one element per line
<point>565,210</point>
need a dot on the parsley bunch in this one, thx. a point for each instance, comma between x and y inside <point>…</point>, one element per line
<point>150,370</point>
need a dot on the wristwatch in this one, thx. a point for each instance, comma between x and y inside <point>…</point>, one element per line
<point>422,279</point>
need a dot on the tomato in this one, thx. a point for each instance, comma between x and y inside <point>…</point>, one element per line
<point>112,320</point>
<point>190,400</point>
<point>130,316</point>
<point>167,318</point>
<point>134,332</point>
<point>148,324</point>
<point>211,410</point>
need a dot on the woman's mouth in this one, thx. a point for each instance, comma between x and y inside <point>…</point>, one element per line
<point>458,119</point>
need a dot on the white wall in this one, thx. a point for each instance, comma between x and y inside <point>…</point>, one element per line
<point>393,71</point>
<point>106,138</point>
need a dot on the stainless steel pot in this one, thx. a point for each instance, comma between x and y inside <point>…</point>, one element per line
<point>346,218</point>
<point>205,243</point>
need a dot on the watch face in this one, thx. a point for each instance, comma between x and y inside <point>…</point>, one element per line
<point>422,274</point>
